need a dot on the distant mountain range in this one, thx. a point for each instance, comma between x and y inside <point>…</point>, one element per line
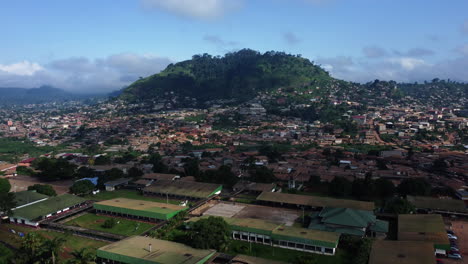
<point>43,94</point>
<point>243,75</point>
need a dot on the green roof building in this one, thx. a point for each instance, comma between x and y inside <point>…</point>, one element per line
<point>146,250</point>
<point>26,198</point>
<point>33,213</point>
<point>138,209</point>
<point>348,221</point>
<point>273,234</point>
<point>183,189</point>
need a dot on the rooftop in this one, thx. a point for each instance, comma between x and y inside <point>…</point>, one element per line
<point>422,227</point>
<point>184,188</point>
<point>117,182</point>
<point>314,201</point>
<point>49,206</point>
<point>27,197</point>
<point>136,250</point>
<point>401,252</point>
<point>437,204</point>
<point>243,259</point>
<point>142,205</point>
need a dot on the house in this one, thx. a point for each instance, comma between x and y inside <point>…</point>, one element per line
<point>112,185</point>
<point>139,249</point>
<point>272,234</point>
<point>348,221</point>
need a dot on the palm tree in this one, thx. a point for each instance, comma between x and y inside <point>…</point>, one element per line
<point>82,256</point>
<point>52,248</point>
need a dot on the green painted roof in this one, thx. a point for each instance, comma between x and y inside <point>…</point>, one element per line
<point>314,201</point>
<point>27,197</point>
<point>346,221</point>
<point>347,217</point>
<point>156,210</point>
<point>135,250</point>
<point>49,206</point>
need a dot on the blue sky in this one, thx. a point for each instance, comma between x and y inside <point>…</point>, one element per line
<point>103,45</point>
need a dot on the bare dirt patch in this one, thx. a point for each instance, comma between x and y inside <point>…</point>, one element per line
<point>239,210</point>
<point>21,183</point>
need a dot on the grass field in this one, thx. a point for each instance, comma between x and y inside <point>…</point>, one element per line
<point>127,194</point>
<point>72,242</point>
<point>280,254</point>
<point>124,227</point>
<point>12,149</point>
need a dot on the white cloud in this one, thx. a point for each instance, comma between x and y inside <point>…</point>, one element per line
<point>408,63</point>
<point>199,9</point>
<point>81,74</point>
<point>21,68</point>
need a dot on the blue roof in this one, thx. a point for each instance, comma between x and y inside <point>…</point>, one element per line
<point>93,180</point>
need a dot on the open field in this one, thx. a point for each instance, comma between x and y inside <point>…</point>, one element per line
<point>21,183</point>
<point>123,227</point>
<point>240,210</point>
<point>130,194</point>
<point>72,242</point>
<point>280,254</point>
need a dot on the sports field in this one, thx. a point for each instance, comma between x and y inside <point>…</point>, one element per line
<point>124,227</point>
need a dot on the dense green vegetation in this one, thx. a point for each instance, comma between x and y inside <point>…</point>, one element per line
<point>12,149</point>
<point>43,188</point>
<point>239,75</point>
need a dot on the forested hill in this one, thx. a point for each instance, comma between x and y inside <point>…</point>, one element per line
<point>43,94</point>
<point>240,75</point>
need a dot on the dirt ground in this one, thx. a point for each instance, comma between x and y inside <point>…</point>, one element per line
<point>240,210</point>
<point>20,183</point>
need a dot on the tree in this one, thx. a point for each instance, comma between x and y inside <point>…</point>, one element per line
<point>102,160</point>
<point>7,203</point>
<point>109,223</point>
<point>82,256</point>
<point>209,233</point>
<point>339,187</point>
<point>82,187</point>
<point>43,189</point>
<point>384,188</point>
<point>262,174</point>
<point>54,169</point>
<point>31,249</point>
<point>52,248</point>
<point>414,187</point>
<point>135,173</point>
<point>5,185</point>
<point>85,172</point>
<point>398,206</point>
<point>361,188</point>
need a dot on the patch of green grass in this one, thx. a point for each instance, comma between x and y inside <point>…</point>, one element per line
<point>11,149</point>
<point>124,227</point>
<point>280,254</point>
<point>196,118</point>
<point>129,194</point>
